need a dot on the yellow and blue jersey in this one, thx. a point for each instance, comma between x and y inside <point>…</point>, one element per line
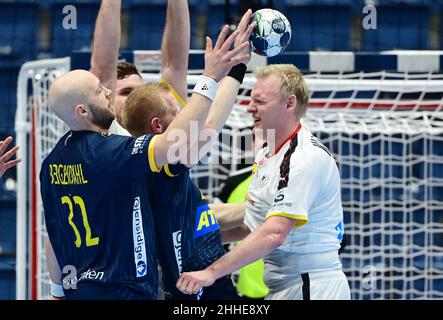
<point>97,212</point>
<point>188,234</point>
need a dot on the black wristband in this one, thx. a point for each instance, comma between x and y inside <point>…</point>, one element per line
<point>238,72</point>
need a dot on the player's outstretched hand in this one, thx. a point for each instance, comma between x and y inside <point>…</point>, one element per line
<point>245,29</point>
<point>192,282</point>
<point>4,163</point>
<point>219,59</point>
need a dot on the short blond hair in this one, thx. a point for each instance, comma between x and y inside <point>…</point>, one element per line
<point>291,83</point>
<point>144,103</point>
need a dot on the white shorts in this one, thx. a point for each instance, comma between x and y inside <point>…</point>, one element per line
<point>322,285</point>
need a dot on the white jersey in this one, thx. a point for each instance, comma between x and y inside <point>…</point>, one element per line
<point>117,129</point>
<point>300,181</point>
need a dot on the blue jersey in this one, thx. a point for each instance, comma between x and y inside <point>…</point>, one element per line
<point>97,213</point>
<point>188,234</point>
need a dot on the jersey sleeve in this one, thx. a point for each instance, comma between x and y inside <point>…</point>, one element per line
<point>296,191</point>
<point>173,170</point>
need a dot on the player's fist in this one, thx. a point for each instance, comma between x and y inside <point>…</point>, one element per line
<point>192,282</point>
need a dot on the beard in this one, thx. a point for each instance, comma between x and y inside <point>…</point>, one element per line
<point>101,117</point>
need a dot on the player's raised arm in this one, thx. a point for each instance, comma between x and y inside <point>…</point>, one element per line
<point>218,61</point>
<point>229,86</point>
<point>226,93</point>
<point>106,44</point>
<point>5,163</point>
<point>175,47</point>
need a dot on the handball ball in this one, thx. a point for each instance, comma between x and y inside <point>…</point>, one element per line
<point>272,34</point>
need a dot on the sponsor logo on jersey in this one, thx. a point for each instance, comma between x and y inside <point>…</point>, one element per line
<point>278,201</point>
<point>70,280</point>
<point>141,268</point>
<point>139,144</point>
<point>279,198</point>
<point>341,230</point>
<point>91,275</point>
<point>139,239</point>
<point>205,221</point>
<point>177,240</point>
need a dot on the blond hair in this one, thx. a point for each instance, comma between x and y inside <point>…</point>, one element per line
<point>291,83</point>
<point>144,103</point>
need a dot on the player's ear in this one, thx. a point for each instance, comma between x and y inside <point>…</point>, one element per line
<point>156,126</point>
<point>292,102</point>
<point>81,111</point>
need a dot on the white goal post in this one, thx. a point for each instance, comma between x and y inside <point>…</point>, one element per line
<point>385,131</point>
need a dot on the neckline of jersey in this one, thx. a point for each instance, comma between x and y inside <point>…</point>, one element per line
<point>288,139</point>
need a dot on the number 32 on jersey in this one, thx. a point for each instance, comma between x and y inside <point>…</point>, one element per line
<point>89,240</point>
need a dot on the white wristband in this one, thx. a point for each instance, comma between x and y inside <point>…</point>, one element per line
<point>206,87</point>
<point>56,290</point>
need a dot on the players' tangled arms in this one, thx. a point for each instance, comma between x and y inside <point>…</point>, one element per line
<point>117,200</point>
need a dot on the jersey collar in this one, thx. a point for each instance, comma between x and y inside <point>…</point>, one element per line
<point>289,138</point>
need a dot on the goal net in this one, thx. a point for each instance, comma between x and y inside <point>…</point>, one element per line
<point>385,131</point>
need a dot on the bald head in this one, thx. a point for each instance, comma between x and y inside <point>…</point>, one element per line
<point>69,90</point>
<point>73,95</point>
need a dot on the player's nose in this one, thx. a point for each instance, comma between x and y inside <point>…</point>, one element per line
<point>251,107</point>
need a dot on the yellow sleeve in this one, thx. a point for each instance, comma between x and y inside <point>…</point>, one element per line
<point>151,156</point>
<point>151,159</point>
<point>168,171</point>
<point>177,97</point>
<point>301,220</point>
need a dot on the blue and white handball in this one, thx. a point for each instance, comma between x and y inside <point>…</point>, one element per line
<point>272,34</point>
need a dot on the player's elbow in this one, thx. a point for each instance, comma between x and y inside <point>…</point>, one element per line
<point>277,229</point>
<point>174,66</point>
<point>104,71</point>
<point>275,239</point>
<point>276,234</point>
